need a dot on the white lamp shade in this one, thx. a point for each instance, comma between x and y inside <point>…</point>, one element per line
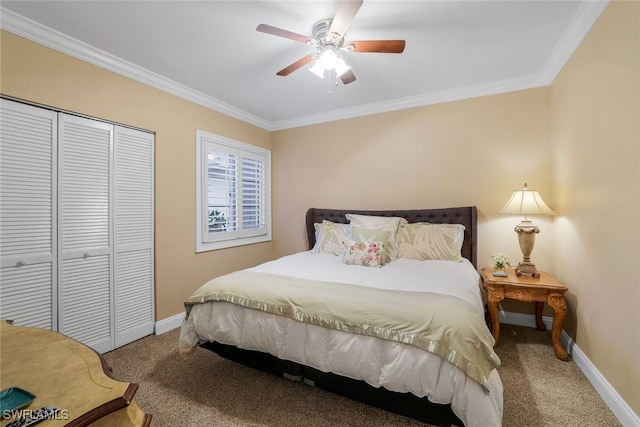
<point>526,202</point>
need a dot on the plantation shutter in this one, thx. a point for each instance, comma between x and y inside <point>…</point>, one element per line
<point>221,188</point>
<point>235,190</point>
<point>253,197</point>
<point>27,214</point>
<point>232,193</point>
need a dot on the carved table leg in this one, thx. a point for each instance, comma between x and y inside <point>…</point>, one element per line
<point>559,305</point>
<point>493,298</point>
<point>539,323</point>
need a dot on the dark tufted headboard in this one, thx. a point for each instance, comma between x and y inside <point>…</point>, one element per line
<point>466,216</point>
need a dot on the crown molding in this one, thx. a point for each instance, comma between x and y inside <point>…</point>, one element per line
<point>448,95</point>
<point>31,30</point>
<point>581,23</point>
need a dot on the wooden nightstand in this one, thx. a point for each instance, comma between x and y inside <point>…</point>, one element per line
<point>545,288</point>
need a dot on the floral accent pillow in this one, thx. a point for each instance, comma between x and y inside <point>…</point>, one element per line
<point>423,241</point>
<point>367,254</point>
<point>329,237</point>
<point>368,235</point>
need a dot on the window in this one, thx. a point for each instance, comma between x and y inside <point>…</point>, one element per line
<point>233,184</point>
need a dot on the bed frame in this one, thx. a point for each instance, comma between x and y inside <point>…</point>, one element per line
<point>405,404</point>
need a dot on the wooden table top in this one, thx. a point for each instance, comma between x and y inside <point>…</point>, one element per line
<point>544,281</point>
<point>62,372</point>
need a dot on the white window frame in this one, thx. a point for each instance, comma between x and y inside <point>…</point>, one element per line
<point>204,142</point>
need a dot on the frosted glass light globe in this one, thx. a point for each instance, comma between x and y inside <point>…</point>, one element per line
<point>329,59</point>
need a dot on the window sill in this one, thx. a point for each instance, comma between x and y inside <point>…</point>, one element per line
<point>225,244</point>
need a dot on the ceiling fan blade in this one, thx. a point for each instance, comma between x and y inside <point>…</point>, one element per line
<point>347,10</point>
<point>380,46</point>
<point>275,31</point>
<point>299,63</point>
<point>347,77</point>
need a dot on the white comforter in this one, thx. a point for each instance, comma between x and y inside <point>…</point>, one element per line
<point>395,366</point>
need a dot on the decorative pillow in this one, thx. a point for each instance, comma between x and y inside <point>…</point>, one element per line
<point>368,235</point>
<point>330,237</point>
<point>388,223</point>
<point>367,254</point>
<point>422,240</point>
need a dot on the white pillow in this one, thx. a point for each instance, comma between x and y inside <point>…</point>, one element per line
<point>330,237</point>
<point>423,241</point>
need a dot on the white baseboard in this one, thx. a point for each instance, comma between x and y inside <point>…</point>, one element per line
<point>523,319</point>
<point>618,406</point>
<point>165,325</point>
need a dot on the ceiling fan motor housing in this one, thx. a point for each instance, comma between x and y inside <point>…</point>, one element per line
<point>322,38</point>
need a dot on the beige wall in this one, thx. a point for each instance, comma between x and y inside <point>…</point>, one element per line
<point>595,110</point>
<point>472,152</point>
<point>32,72</point>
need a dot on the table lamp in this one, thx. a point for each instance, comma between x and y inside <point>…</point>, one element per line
<point>526,202</point>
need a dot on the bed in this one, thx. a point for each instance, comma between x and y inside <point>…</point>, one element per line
<point>316,317</point>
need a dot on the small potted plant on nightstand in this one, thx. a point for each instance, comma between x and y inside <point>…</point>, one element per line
<point>500,263</point>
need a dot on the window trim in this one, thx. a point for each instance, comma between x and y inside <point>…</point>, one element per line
<point>202,140</point>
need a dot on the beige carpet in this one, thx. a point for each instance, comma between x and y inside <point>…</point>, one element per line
<point>206,390</point>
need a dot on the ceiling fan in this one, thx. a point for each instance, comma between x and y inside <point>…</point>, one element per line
<point>328,39</point>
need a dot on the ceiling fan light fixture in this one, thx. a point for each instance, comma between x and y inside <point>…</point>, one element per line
<point>317,69</point>
<point>329,59</point>
<point>341,67</point>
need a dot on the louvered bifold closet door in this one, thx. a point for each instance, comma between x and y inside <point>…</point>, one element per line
<point>85,311</point>
<point>27,214</point>
<point>133,225</point>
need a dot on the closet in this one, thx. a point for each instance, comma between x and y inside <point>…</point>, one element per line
<point>76,225</point>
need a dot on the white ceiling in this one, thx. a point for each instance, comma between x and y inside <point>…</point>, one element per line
<point>209,51</point>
